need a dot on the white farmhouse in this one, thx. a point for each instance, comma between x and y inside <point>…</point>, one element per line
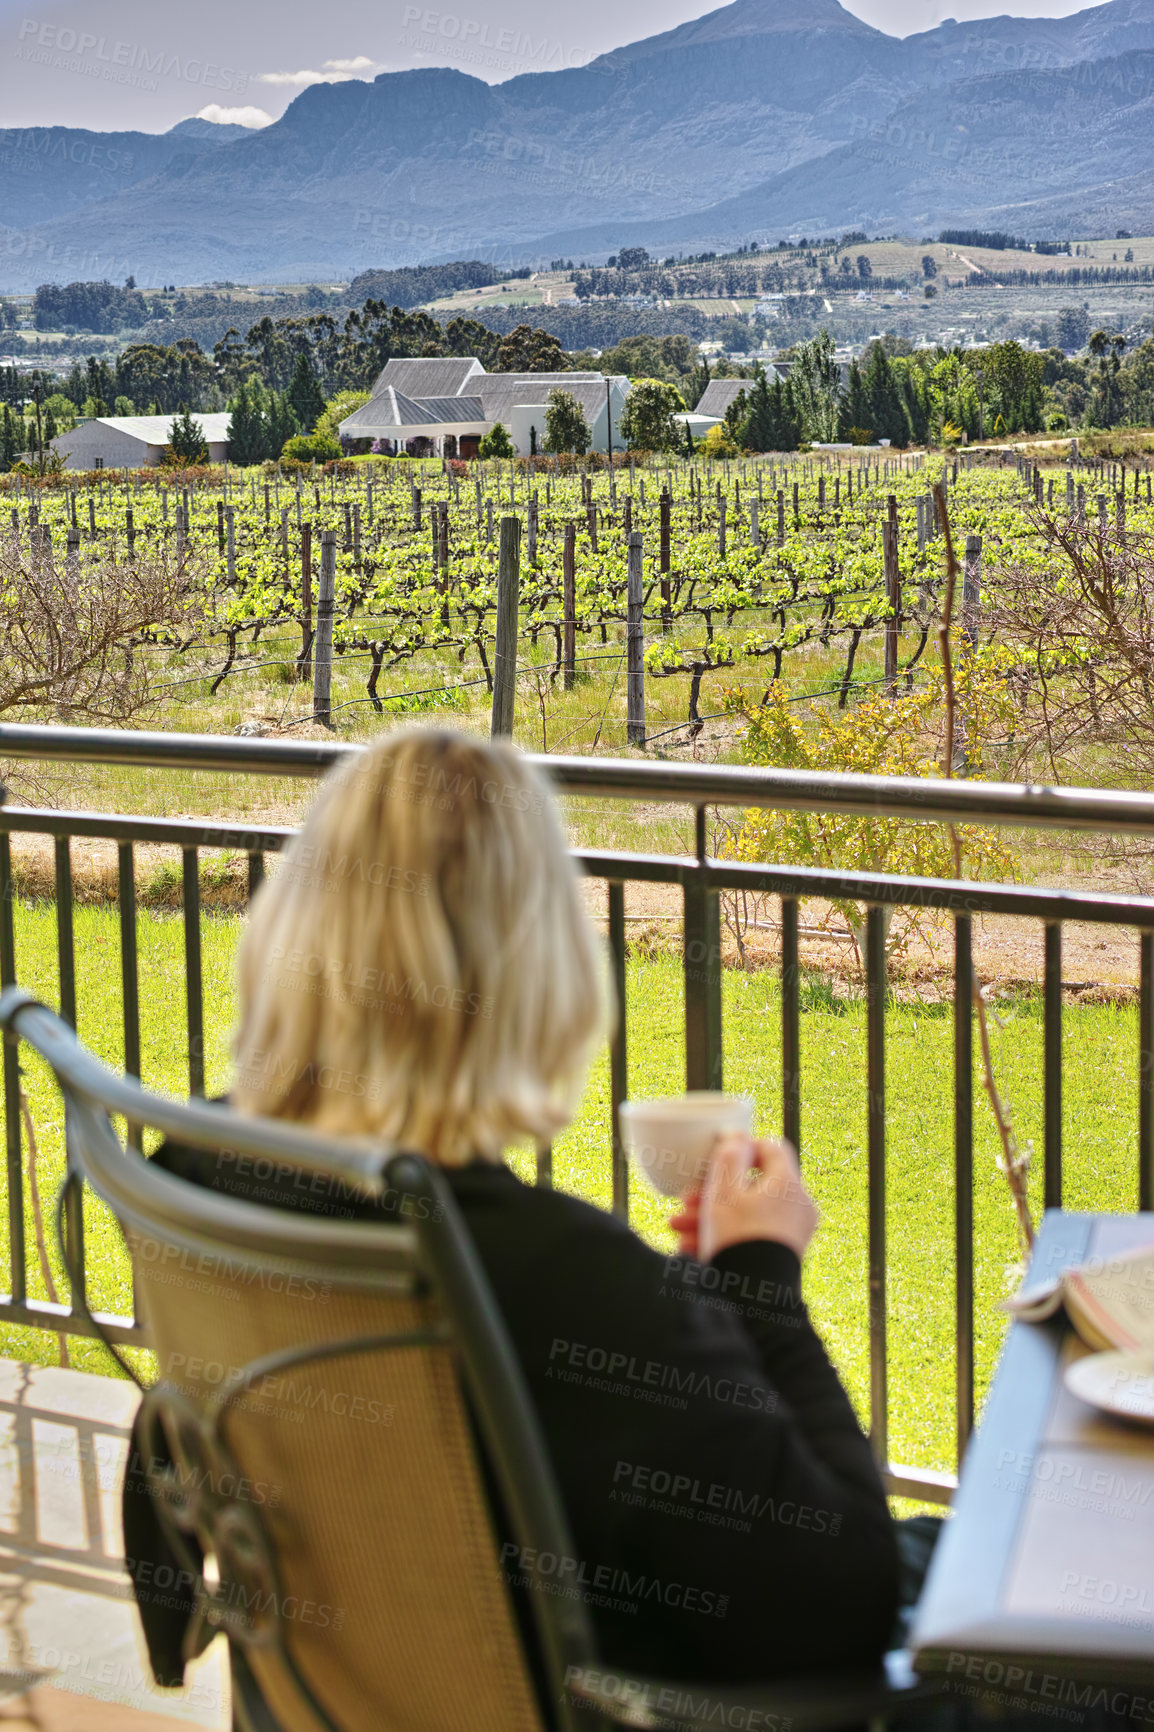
<point>134,441</point>
<point>444,407</point>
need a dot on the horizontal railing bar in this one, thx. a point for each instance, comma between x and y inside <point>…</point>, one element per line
<point>953,895</point>
<point>43,1314</point>
<point>120,827</point>
<point>930,799</point>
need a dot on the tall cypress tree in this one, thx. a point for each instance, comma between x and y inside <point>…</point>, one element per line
<point>9,441</point>
<point>246,434</point>
<point>760,427</point>
<point>305,394</point>
<point>280,422</point>
<point>887,409</point>
<point>855,414</point>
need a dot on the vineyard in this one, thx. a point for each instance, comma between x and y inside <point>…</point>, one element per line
<point>823,573</point>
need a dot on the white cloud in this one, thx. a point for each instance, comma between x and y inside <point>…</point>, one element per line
<point>255,117</point>
<point>332,72</point>
<point>361,63</point>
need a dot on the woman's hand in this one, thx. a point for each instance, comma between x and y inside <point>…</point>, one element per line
<point>751,1191</point>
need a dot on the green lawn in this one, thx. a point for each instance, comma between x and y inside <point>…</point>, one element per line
<point>1100,1128</point>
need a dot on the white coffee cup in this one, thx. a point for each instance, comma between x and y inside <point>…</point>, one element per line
<point>671,1140</point>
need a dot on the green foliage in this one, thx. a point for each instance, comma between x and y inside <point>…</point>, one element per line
<point>305,395</point>
<point>311,448</point>
<point>566,428</point>
<point>63,410</point>
<point>186,439</point>
<point>496,442</point>
<point>261,423</point>
<point>88,306</point>
<point>525,350</point>
<point>718,442</point>
<point>647,422</point>
<point>815,389</point>
<point>882,736</point>
<point>345,403</point>
<point>766,418</point>
<point>11,439</point>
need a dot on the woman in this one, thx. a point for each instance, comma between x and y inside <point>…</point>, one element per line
<point>421,970</point>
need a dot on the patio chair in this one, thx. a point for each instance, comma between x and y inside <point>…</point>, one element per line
<point>363,1371</point>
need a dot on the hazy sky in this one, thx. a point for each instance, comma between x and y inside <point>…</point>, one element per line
<point>129,64</point>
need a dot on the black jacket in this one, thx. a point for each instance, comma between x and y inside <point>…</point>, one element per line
<point>726,1507</point>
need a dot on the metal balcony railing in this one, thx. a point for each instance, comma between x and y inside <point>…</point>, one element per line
<point>701,879</point>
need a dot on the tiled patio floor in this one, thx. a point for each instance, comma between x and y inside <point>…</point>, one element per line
<point>71,1655</point>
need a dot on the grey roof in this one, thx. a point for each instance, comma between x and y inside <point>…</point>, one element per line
<point>429,375</point>
<point>503,392</point>
<point>392,408</point>
<point>719,394</point>
<point>451,409</point>
<point>157,429</point>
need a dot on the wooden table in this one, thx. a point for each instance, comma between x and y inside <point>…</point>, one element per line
<point>1043,1581</point>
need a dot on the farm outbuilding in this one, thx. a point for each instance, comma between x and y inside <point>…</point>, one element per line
<point>445,406</point>
<point>134,441</point>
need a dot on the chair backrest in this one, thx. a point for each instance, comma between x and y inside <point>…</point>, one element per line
<point>310,1395</point>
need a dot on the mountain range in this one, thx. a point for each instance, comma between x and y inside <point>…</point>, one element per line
<point>762,119</point>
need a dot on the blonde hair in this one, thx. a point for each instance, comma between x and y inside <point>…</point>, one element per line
<point>421,968</point>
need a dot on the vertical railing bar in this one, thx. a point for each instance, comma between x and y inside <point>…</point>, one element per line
<point>964,1178</point>
<point>702,965</point>
<point>255,873</point>
<point>876,1083</point>
<point>1146,1076</point>
<point>66,968</point>
<point>65,934</point>
<point>1053,1068</point>
<point>129,975</point>
<point>619,1049</point>
<point>12,1137</point>
<point>790,1025</point>
<point>193,973</point>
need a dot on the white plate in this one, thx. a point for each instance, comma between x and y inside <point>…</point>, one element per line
<point>1121,1383</point>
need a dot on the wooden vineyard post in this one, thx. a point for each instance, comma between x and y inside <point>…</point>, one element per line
<point>305,659</point>
<point>323,678</point>
<point>971,592</point>
<point>569,608</point>
<point>721,528</point>
<point>220,525</point>
<point>72,560</point>
<point>971,603</point>
<point>230,533</point>
<point>893,596</point>
<point>635,648</point>
<point>754,526</point>
<point>780,517</point>
<point>666,591</point>
<point>130,531</point>
<point>508,622</point>
<point>416,510</point>
<point>591,521</point>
